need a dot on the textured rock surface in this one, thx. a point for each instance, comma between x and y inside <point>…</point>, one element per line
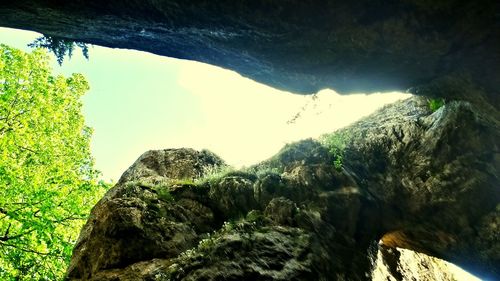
<point>411,179</point>
<point>395,264</point>
<point>297,45</point>
<point>172,164</point>
<point>139,220</point>
<point>436,176</point>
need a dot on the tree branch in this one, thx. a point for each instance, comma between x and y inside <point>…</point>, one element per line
<point>24,249</point>
<point>6,236</point>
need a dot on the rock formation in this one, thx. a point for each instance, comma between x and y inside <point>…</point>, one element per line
<point>410,178</point>
<point>396,264</point>
<point>296,45</point>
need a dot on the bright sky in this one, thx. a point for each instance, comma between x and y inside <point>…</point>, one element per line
<point>140,101</point>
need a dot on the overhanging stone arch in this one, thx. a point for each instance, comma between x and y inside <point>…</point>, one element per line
<point>305,46</point>
<point>300,46</point>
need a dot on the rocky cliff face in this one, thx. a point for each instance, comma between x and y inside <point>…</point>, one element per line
<point>410,178</point>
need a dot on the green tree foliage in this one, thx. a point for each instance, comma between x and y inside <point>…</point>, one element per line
<point>60,46</point>
<point>47,180</point>
<point>336,143</point>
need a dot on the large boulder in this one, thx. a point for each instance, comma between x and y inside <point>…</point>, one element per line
<point>139,219</point>
<point>410,179</point>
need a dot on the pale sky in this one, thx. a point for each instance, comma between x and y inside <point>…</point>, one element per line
<point>140,101</point>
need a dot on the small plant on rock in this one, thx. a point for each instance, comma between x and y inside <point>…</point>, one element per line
<point>213,174</point>
<point>336,144</point>
<point>164,194</point>
<point>435,104</point>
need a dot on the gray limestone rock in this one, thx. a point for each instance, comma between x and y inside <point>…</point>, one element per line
<point>410,179</point>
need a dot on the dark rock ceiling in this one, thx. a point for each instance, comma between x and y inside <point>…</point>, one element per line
<point>297,45</point>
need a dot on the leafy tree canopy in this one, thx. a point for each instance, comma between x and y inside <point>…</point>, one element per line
<point>47,180</point>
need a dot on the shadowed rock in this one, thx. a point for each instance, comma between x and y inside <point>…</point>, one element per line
<point>300,46</point>
<point>139,219</point>
<point>410,179</point>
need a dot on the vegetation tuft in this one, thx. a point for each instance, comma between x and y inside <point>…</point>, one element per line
<point>213,174</point>
<point>60,46</point>
<point>336,143</point>
<point>435,104</point>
